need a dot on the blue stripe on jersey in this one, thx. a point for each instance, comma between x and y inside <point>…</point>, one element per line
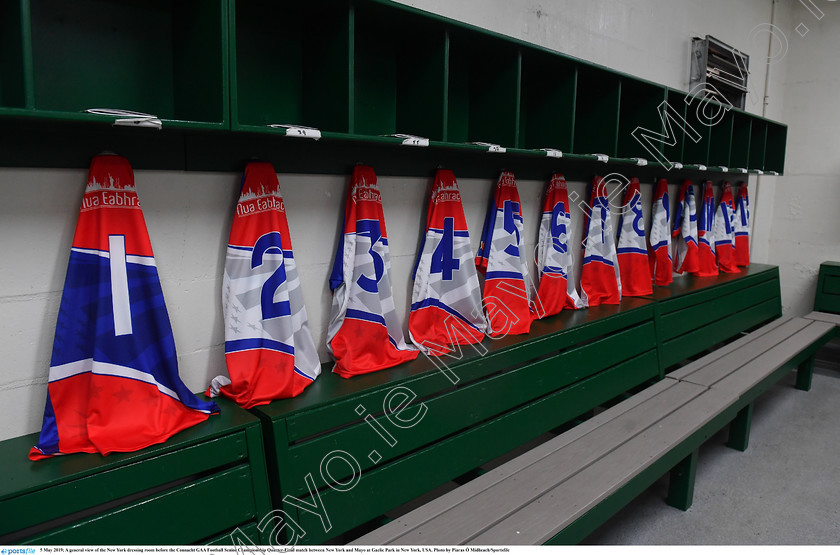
<point>554,270</point>
<point>367,316</point>
<point>626,250</point>
<point>237,345</point>
<point>659,245</point>
<point>742,233</point>
<point>596,258</point>
<point>455,232</point>
<point>304,374</point>
<point>503,275</point>
<point>723,242</point>
<point>443,306</point>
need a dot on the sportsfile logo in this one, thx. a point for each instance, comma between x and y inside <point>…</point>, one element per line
<point>17,550</point>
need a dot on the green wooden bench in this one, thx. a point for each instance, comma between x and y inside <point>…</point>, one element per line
<point>564,489</point>
<point>827,298</point>
<point>197,487</point>
<point>337,461</point>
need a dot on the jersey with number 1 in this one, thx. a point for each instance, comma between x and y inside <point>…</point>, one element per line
<point>268,348</point>
<point>446,299</point>
<point>706,259</point>
<point>661,267</point>
<point>686,255</point>
<point>632,247</point>
<point>364,333</point>
<point>600,278</point>
<point>113,382</point>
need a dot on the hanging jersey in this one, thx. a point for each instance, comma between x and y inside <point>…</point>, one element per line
<point>686,255</point>
<point>742,227</point>
<point>707,261</point>
<point>113,383</point>
<point>661,267</point>
<point>632,248</point>
<point>724,231</point>
<point>600,281</point>
<point>364,334</point>
<point>268,348</point>
<point>554,259</point>
<point>502,258</point>
<point>446,299</point>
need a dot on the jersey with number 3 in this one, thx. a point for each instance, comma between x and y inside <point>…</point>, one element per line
<point>446,299</point>
<point>113,382</point>
<point>268,348</point>
<point>364,334</point>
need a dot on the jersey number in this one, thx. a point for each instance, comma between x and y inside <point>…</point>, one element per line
<point>510,211</point>
<point>270,308</point>
<point>443,259</point>
<point>372,229</point>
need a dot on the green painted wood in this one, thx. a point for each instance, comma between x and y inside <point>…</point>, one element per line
<point>688,290</point>
<point>13,89</point>
<point>804,375</point>
<point>386,487</point>
<point>639,108</point>
<point>548,100</point>
<point>261,489</point>
<point>597,104</point>
<point>741,132</point>
<point>681,485</point>
<point>77,495</point>
<point>169,518</point>
<point>774,150</point>
<point>720,141</point>
<point>758,143</point>
<point>827,298</point>
<point>468,406</point>
<point>248,533</point>
<point>739,429</point>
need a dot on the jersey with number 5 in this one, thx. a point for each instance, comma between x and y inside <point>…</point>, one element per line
<point>364,333</point>
<point>446,299</point>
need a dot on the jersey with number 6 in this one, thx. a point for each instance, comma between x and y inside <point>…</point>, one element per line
<point>446,299</point>
<point>113,383</point>
<point>365,333</point>
<point>268,348</point>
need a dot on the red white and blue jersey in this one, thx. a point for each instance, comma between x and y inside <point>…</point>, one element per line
<point>446,299</point>
<point>725,231</point>
<point>268,348</point>
<point>113,383</point>
<point>600,280</point>
<point>684,235</point>
<point>742,227</point>
<point>661,266</point>
<point>556,289</point>
<point>364,334</point>
<point>502,258</point>
<point>632,246</point>
<point>707,260</point>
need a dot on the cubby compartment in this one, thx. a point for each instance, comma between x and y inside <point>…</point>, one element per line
<point>720,140</point>
<point>758,141</point>
<point>158,57</point>
<point>672,146</point>
<point>547,113</point>
<point>483,99</point>
<point>13,83</point>
<point>640,102</point>
<point>399,80</point>
<point>291,64</point>
<point>739,156</point>
<point>596,111</point>
<point>774,151</point>
<point>698,131</point>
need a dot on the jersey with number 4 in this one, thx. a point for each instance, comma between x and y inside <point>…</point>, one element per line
<point>268,348</point>
<point>113,383</point>
<point>446,299</point>
<point>364,334</point>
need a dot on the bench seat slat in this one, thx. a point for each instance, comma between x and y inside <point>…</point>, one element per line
<point>540,520</point>
<point>824,317</point>
<point>716,368</point>
<point>683,371</point>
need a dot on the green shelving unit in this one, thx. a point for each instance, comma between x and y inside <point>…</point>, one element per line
<point>356,72</point>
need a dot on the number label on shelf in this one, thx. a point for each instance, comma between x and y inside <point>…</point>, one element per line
<point>602,157</point>
<point>743,170</point>
<point>641,161</point>
<point>298,131</point>
<point>491,147</point>
<point>678,165</point>
<point>701,167</point>
<point>552,152</point>
<point>411,140</point>
<point>127,118</point>
<point>724,169</point>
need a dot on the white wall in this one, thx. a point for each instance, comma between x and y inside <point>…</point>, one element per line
<point>806,226</point>
<point>189,214</point>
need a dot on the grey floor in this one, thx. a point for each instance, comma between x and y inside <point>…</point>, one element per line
<point>784,490</point>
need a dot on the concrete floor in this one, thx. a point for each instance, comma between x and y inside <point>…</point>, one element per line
<point>784,490</point>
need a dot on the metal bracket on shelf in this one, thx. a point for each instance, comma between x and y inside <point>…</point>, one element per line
<point>640,161</point>
<point>298,130</point>
<point>601,157</point>
<point>552,152</point>
<point>128,118</point>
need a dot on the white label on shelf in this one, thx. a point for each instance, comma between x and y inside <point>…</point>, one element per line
<point>773,173</point>
<point>552,152</point>
<point>491,147</point>
<point>701,167</point>
<point>412,140</point>
<point>724,169</point>
<point>677,165</point>
<point>743,170</point>
<point>602,157</point>
<point>128,118</point>
<point>298,131</point>
<point>640,161</point>
<point>759,172</point>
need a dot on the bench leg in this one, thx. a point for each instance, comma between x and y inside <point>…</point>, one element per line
<point>739,429</point>
<point>681,486</point>
<point>804,374</point>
